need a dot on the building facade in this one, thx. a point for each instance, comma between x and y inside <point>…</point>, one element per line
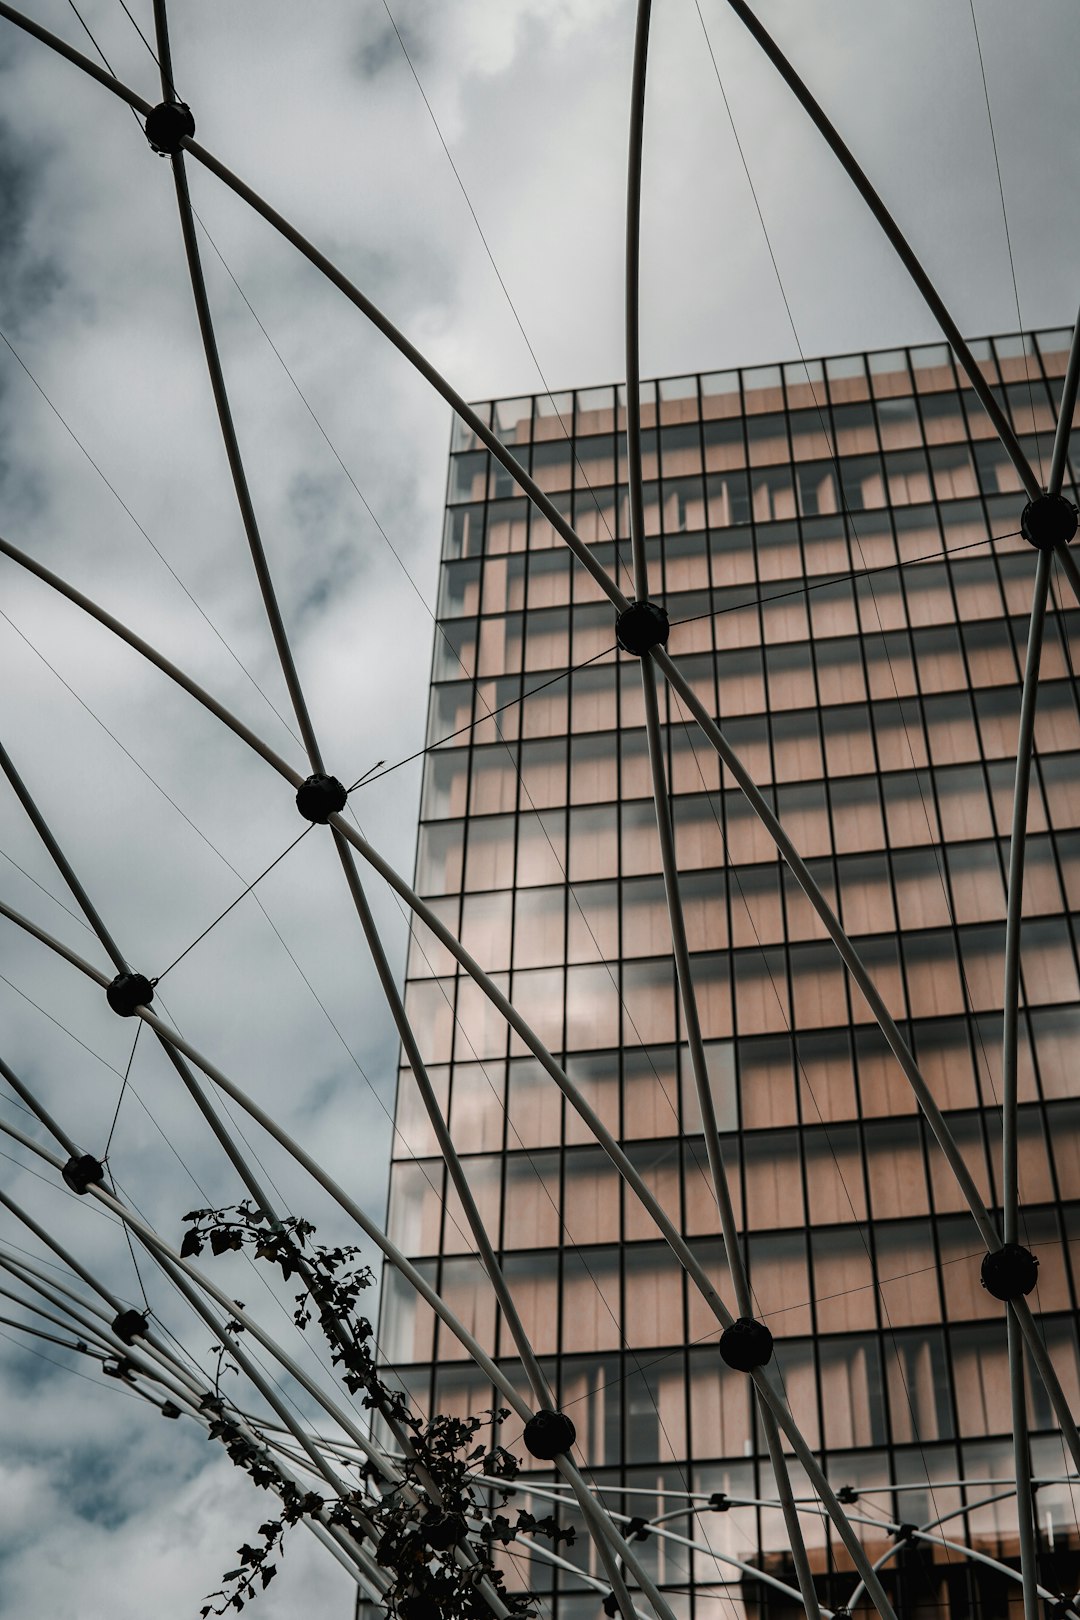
<point>797,519</point>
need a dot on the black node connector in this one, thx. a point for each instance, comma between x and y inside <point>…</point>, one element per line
<point>131,1325</point>
<point>1009,1272</point>
<point>166,125</point>
<point>1063,1609</point>
<point>720,1501</point>
<point>83,1171</point>
<point>128,991</point>
<point>319,797</point>
<point>1049,521</point>
<point>641,626</point>
<point>169,1410</point>
<point>841,1614</point>
<point>746,1344</point>
<point>637,1529</point>
<point>548,1434</point>
<point>848,1495</point>
<point>905,1533</point>
<point>611,1606</point>
<point>120,1368</point>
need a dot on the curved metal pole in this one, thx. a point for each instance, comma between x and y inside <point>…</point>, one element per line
<point>55,1130</point>
<point>1040,1356</point>
<point>41,827</point>
<point>633,289</point>
<point>1069,568</point>
<point>1025,1501</point>
<point>1014,919</point>
<point>847,951</point>
<point>899,241</point>
<point>546,1494</point>
<point>70,54</point>
<point>1063,430</point>
<point>232,451</point>
<point>151,654</point>
<point>703,1089</point>
<point>1010,1044</point>
<point>538,1383</point>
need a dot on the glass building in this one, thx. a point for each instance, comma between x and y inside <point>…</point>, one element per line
<point>798,518</point>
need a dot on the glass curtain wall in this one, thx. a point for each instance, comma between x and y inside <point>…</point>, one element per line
<point>798,521</point>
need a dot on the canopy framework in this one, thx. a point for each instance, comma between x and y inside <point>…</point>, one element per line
<point>613,1546</point>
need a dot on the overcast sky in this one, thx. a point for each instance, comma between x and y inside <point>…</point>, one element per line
<point>104,1510</point>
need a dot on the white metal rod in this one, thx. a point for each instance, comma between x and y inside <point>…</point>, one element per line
<point>703,1089</point>
<point>1059,459</point>
<point>45,1237</point>
<point>598,1521</point>
<point>751,1570</point>
<point>55,1130</point>
<point>1068,565</point>
<point>633,289</point>
<point>1040,1356</point>
<point>151,654</point>
<point>62,48</point>
<point>875,1591</point>
<point>1014,919</point>
<point>548,1494</point>
<point>63,866</point>
<point>232,451</point>
<point>847,951</point>
<point>538,1383</point>
<point>1025,1501</point>
<point>981,1558</point>
<point>899,241</point>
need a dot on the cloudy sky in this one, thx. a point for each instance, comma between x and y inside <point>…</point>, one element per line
<point>104,1511</point>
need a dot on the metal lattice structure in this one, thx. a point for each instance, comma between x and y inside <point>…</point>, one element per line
<point>353,1457</point>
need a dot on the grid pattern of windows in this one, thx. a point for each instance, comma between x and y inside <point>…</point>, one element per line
<point>797,519</point>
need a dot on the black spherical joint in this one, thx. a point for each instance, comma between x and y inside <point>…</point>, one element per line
<point>128,991</point>
<point>746,1344</point>
<point>611,1605</point>
<point>130,1325</point>
<point>1009,1272</point>
<point>320,796</point>
<point>641,626</point>
<point>83,1171</point>
<point>166,126</point>
<point>1048,521</point>
<point>548,1434</point>
<point>169,1410</point>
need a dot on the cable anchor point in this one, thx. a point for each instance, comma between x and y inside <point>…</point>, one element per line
<point>166,126</point>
